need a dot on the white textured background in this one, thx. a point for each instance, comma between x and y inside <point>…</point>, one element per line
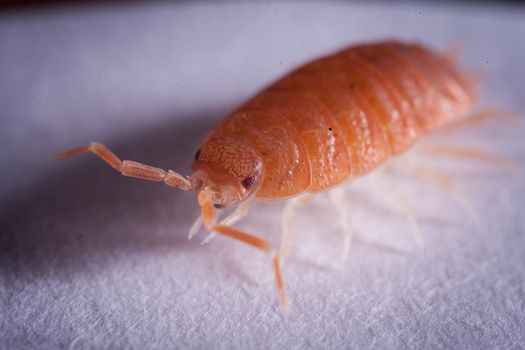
<point>89,259</point>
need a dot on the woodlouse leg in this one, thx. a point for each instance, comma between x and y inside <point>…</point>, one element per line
<point>264,246</point>
<point>240,212</point>
<point>289,213</point>
<point>209,219</point>
<point>337,197</point>
<point>131,168</point>
<point>444,181</point>
<point>402,206</point>
<point>197,224</point>
<point>488,115</point>
<point>466,153</point>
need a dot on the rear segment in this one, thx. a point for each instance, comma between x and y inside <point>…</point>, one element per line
<point>344,114</point>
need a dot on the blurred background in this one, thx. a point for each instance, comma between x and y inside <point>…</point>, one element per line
<point>89,259</point>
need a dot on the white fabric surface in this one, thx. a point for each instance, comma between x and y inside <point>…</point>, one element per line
<point>89,259</point>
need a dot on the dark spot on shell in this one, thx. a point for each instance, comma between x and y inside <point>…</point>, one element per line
<point>197,154</point>
<point>248,182</point>
<point>218,206</point>
<point>330,129</point>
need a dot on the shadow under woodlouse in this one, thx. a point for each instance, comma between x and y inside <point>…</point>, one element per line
<point>62,220</point>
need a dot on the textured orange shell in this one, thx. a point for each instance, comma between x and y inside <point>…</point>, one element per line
<point>342,115</point>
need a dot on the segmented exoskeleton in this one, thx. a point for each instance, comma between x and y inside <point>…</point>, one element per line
<point>337,117</point>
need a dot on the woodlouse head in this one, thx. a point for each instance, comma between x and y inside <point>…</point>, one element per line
<point>228,168</point>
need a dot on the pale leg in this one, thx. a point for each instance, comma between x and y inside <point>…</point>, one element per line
<point>197,224</point>
<point>402,205</point>
<point>444,181</point>
<point>289,214</point>
<point>337,197</point>
<point>469,153</point>
<point>488,115</point>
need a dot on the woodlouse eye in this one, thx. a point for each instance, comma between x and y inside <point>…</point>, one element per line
<point>218,206</point>
<point>248,182</point>
<point>197,154</point>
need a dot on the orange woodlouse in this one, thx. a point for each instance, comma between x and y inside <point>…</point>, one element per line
<point>330,119</point>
